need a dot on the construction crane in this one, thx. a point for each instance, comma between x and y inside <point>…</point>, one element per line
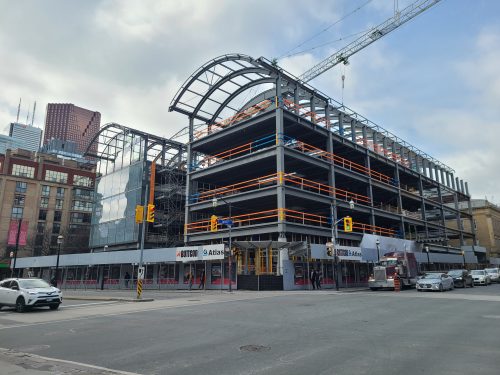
<point>342,56</point>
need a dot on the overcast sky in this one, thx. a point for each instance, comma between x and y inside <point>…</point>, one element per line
<point>435,82</point>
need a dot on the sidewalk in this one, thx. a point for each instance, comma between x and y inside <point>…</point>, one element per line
<point>17,363</point>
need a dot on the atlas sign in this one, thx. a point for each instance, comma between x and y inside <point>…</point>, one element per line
<point>197,253</point>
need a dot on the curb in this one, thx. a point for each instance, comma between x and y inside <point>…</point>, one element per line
<point>119,299</point>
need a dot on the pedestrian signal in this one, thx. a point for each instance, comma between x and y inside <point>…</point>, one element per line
<point>329,252</point>
<point>151,213</point>
<point>213,223</point>
<point>347,224</point>
<point>139,214</point>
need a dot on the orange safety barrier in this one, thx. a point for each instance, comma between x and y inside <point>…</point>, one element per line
<point>303,147</point>
<point>289,104</point>
<point>381,150</point>
<point>285,214</point>
<point>337,160</point>
<point>272,179</point>
<point>247,113</point>
<point>397,283</point>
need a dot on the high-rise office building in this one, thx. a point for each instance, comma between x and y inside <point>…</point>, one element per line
<point>28,136</point>
<point>68,122</point>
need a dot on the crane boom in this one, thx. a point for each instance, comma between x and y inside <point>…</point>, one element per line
<point>377,32</point>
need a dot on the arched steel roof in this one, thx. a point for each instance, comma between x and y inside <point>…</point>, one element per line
<point>109,141</point>
<point>212,87</point>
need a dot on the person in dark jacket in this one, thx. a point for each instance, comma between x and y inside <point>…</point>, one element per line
<point>313,277</point>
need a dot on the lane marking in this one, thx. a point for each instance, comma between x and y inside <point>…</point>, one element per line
<point>128,312</point>
<point>87,304</point>
<point>81,364</point>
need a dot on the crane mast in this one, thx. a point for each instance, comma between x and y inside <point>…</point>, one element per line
<point>377,32</point>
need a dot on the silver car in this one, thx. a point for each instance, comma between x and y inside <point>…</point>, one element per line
<point>27,293</point>
<point>435,282</point>
<point>480,277</point>
<point>494,274</point>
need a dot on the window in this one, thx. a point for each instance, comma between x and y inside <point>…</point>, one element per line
<point>45,190</point>
<point>17,213</point>
<point>83,194</point>
<point>79,217</point>
<point>21,187</point>
<point>82,206</point>
<point>82,181</point>
<point>40,227</point>
<point>57,216</point>
<point>44,202</point>
<point>19,200</point>
<point>59,204</point>
<point>60,192</point>
<point>55,176</point>
<point>42,215</point>
<point>56,228</point>
<point>23,171</point>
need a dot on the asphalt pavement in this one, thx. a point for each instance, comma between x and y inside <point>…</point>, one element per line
<point>313,332</point>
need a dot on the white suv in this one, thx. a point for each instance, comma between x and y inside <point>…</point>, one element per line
<point>27,293</point>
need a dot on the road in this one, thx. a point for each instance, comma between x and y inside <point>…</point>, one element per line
<point>315,332</point>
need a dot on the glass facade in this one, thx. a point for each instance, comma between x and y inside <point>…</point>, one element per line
<point>117,194</point>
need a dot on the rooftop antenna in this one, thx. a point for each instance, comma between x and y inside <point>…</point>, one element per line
<point>18,110</point>
<point>33,116</point>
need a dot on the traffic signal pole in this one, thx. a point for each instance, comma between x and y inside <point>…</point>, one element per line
<point>143,234</point>
<point>347,228</point>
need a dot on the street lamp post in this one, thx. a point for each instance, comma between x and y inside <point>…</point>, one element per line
<point>59,243</point>
<point>428,260</point>
<point>230,225</point>
<point>334,236</point>
<point>102,270</point>
<point>377,242</point>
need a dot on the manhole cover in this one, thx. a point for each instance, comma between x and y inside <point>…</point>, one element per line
<point>255,348</point>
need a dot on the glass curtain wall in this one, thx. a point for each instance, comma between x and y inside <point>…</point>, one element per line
<point>118,191</point>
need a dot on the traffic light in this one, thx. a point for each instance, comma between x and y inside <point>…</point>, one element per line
<point>329,252</point>
<point>150,217</point>
<point>347,224</point>
<point>139,214</point>
<point>213,223</point>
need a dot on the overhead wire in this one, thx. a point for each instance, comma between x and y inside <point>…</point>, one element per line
<point>327,28</point>
<point>326,43</point>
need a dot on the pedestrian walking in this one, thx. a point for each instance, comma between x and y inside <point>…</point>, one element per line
<point>190,280</point>
<point>319,278</point>
<point>202,280</point>
<point>127,279</point>
<point>313,278</point>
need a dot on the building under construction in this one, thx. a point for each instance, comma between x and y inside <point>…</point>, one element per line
<point>136,168</point>
<point>275,176</point>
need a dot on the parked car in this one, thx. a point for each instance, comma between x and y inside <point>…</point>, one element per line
<point>461,278</point>
<point>435,282</point>
<point>24,294</point>
<point>494,274</point>
<point>480,277</point>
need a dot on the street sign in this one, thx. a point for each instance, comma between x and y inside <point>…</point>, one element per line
<point>226,222</point>
<point>140,273</point>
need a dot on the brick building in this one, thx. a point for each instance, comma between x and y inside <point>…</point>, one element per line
<point>50,196</point>
<point>67,122</point>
